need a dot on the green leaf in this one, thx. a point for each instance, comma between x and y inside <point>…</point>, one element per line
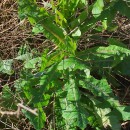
<point>97,8</point>
<point>6,92</point>
<point>114,122</point>
<point>109,50</point>
<point>48,60</point>
<point>72,91</point>
<point>43,21</point>
<point>71,62</point>
<point>37,29</point>
<point>123,67</point>
<point>123,8</point>
<point>70,45</point>
<point>32,63</point>
<point>6,66</point>
<point>72,111</point>
<point>102,113</point>
<point>113,41</point>
<point>104,23</point>
<point>97,87</point>
<point>107,14</point>
<point>37,121</point>
<point>78,21</point>
<point>53,32</point>
<point>77,33</point>
<point>104,57</point>
<point>112,27</point>
<point>74,114</point>
<point>108,114</point>
<point>24,57</point>
<point>125,114</point>
<point>7,98</point>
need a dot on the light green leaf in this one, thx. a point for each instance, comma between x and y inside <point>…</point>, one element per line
<point>77,33</point>
<point>24,57</point>
<point>104,23</point>
<point>32,63</point>
<point>98,8</point>
<point>6,66</point>
<point>37,29</point>
<point>125,114</point>
<point>102,113</point>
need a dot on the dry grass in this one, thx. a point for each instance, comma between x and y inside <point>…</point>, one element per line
<point>14,33</point>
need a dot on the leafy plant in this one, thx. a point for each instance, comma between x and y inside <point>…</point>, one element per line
<point>64,84</point>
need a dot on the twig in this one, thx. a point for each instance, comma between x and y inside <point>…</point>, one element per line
<point>8,113</point>
<point>20,105</point>
<point>28,109</point>
<point>52,50</point>
<point>126,27</point>
<point>9,125</point>
<point>127,91</point>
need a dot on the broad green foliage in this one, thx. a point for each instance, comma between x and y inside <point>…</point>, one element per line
<point>63,84</point>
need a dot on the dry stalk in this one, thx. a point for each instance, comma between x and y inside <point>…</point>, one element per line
<point>17,112</point>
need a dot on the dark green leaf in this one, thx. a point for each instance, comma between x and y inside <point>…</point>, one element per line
<point>37,121</point>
